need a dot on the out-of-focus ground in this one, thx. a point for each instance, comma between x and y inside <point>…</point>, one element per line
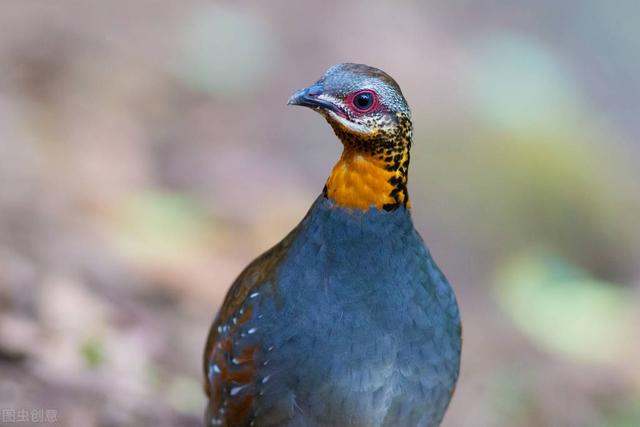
<point>147,154</point>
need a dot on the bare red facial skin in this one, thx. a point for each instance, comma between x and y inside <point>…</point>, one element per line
<point>350,101</point>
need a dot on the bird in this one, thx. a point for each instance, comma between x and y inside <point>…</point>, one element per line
<point>347,321</point>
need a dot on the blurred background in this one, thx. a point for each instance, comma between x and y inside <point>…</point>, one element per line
<point>147,154</point>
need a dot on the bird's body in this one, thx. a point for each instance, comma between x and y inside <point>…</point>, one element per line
<point>347,321</point>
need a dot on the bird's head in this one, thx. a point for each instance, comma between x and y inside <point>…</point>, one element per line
<point>367,111</point>
<point>362,103</point>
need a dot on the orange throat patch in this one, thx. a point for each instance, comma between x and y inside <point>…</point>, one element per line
<point>361,180</point>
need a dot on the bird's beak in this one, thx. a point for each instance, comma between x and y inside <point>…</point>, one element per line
<point>310,97</point>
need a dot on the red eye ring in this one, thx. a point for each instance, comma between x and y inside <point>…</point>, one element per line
<point>363,101</point>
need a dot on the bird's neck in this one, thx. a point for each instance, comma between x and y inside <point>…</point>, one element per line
<point>375,176</point>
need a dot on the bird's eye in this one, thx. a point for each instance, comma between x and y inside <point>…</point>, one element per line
<point>364,101</point>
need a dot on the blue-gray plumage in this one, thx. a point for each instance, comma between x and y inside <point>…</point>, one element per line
<point>346,322</point>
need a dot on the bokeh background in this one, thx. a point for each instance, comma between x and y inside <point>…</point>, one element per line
<point>147,154</point>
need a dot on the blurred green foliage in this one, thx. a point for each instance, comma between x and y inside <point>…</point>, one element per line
<point>562,309</point>
<point>225,51</point>
<point>624,414</point>
<point>516,191</point>
<point>93,352</point>
<point>161,226</point>
<point>517,84</point>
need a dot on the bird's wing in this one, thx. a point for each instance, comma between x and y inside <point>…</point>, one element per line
<point>230,364</point>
